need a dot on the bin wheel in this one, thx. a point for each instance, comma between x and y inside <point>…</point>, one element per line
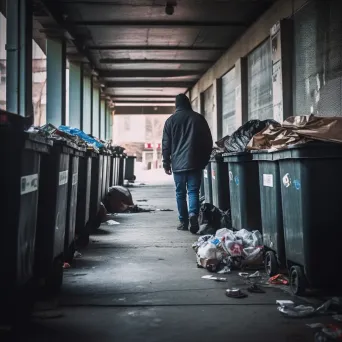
<point>297,280</point>
<point>271,264</point>
<point>54,280</point>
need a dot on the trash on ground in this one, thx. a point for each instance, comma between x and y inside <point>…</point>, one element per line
<point>229,249</point>
<point>118,199</point>
<point>305,310</point>
<point>225,270</point>
<point>142,200</point>
<point>112,223</point>
<point>316,325</point>
<point>337,318</point>
<point>66,265</point>
<point>166,210</point>
<point>255,289</point>
<point>235,293</point>
<point>278,279</point>
<point>209,277</point>
<point>77,255</point>
<point>285,302</point>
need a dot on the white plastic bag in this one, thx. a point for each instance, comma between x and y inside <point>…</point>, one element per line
<point>234,248</point>
<point>222,232</point>
<point>207,251</point>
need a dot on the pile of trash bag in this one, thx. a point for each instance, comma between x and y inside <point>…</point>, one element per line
<point>297,130</point>
<point>229,249</point>
<point>118,199</point>
<point>239,140</point>
<point>211,219</point>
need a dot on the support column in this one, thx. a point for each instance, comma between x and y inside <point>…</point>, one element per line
<point>201,103</point>
<point>87,101</point>
<point>282,49</point>
<point>218,99</point>
<point>96,110</point>
<point>110,119</point>
<point>56,81</point>
<point>19,57</point>
<point>241,92</point>
<point>103,134</point>
<point>75,94</point>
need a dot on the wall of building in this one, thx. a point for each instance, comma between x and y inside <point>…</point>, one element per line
<point>250,40</point>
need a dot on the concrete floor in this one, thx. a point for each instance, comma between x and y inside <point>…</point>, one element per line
<point>138,281</point>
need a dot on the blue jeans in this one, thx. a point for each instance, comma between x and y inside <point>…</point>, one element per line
<point>188,183</point>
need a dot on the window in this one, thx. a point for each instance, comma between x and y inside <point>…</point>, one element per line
<point>39,78</point>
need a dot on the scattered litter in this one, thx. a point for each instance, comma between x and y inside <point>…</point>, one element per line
<point>112,223</point>
<point>337,318</point>
<point>332,331</point>
<point>255,289</point>
<point>316,325</point>
<point>235,293</point>
<point>79,274</point>
<point>94,241</point>
<point>209,277</point>
<point>142,200</point>
<point>66,265</point>
<point>278,279</point>
<point>225,270</point>
<point>227,248</point>
<point>164,210</point>
<point>288,303</point>
<point>77,255</point>
<point>304,310</point>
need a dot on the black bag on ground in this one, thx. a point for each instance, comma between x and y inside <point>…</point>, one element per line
<point>242,136</point>
<point>209,219</point>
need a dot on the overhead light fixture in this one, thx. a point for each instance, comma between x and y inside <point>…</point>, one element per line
<point>170,8</point>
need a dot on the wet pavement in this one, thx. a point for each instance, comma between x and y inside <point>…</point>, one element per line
<point>138,281</point>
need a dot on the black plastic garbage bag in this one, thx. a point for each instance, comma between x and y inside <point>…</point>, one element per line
<point>221,143</point>
<point>242,136</point>
<point>209,219</point>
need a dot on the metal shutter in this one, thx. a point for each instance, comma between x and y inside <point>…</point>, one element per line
<point>209,106</point>
<point>228,103</point>
<point>318,59</point>
<point>260,98</point>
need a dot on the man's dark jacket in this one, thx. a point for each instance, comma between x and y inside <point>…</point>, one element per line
<point>187,140</point>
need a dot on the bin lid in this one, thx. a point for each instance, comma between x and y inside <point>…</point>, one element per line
<point>236,157</point>
<point>264,155</point>
<point>319,150</point>
<point>37,142</point>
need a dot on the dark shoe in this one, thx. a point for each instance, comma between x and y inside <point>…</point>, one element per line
<point>194,226</point>
<point>183,226</point>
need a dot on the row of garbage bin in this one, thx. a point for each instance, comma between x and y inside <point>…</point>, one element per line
<point>51,190</point>
<point>292,197</point>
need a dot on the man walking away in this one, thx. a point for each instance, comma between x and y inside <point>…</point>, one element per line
<point>187,145</point>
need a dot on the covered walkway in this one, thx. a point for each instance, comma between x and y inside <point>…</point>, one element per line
<point>138,281</point>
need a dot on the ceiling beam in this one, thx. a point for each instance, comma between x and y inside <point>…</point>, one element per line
<point>133,110</point>
<point>171,103</point>
<point>158,23</point>
<point>171,97</point>
<point>154,61</point>
<point>155,48</point>
<point>149,73</point>
<point>149,84</point>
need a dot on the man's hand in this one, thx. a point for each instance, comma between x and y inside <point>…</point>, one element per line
<point>168,172</point>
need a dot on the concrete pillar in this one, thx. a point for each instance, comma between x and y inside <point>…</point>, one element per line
<point>56,81</point>
<point>241,91</point>
<point>96,110</point>
<point>19,57</point>
<point>218,106</point>
<point>103,134</point>
<point>282,50</point>
<point>75,94</point>
<point>201,103</point>
<point>87,102</point>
